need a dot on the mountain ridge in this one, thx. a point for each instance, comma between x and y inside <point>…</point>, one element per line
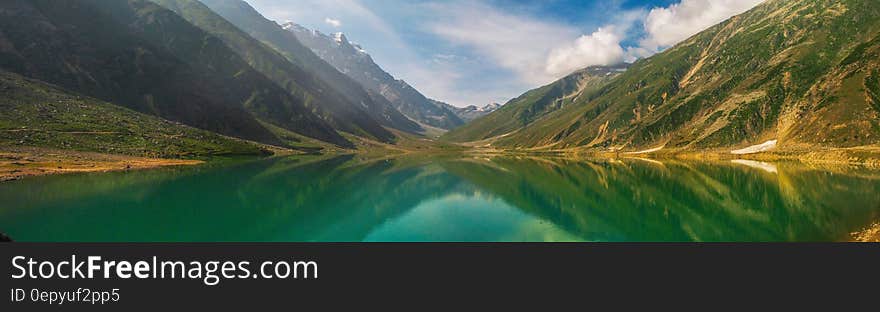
<point>470,112</point>
<point>320,96</point>
<point>352,60</point>
<point>537,103</point>
<point>353,100</point>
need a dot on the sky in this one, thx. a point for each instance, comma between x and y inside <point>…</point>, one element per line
<point>476,52</point>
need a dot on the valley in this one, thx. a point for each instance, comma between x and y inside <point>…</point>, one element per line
<point>256,87</point>
<point>278,131</point>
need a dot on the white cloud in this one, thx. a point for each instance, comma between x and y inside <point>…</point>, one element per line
<point>602,47</point>
<point>667,26</point>
<point>517,43</point>
<point>332,22</point>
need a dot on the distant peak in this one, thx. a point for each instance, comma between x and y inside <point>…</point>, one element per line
<point>488,108</point>
<point>291,26</point>
<point>297,28</point>
<point>491,106</point>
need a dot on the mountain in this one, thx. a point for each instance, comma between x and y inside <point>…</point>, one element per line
<point>139,55</point>
<point>522,111</point>
<point>347,100</point>
<point>352,60</point>
<point>798,73</point>
<point>471,112</point>
<point>323,97</point>
<point>34,113</point>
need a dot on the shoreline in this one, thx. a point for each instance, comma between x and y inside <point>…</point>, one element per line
<point>19,163</point>
<point>867,156</point>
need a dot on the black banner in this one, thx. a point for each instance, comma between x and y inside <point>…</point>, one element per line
<point>332,276</point>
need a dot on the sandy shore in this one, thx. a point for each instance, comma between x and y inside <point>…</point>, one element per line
<point>20,162</point>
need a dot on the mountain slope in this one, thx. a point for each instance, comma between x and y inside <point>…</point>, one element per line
<point>355,100</point>
<point>259,95</point>
<point>136,54</point>
<point>320,96</point>
<point>352,60</point>
<point>535,104</point>
<point>801,72</point>
<point>33,113</point>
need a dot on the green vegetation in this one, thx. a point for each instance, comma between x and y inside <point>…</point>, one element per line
<point>33,113</point>
<point>872,84</point>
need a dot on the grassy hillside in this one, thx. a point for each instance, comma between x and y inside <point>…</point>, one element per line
<point>76,46</point>
<point>529,107</point>
<point>34,113</point>
<point>801,72</point>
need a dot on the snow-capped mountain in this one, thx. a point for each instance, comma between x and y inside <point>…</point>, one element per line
<point>472,112</point>
<point>354,61</point>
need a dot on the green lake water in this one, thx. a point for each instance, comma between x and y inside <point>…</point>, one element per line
<point>446,199</point>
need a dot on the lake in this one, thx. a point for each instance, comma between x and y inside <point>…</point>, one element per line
<point>461,199</point>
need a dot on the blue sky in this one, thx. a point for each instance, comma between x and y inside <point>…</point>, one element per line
<point>474,52</point>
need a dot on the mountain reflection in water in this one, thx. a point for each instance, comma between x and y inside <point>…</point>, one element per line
<point>447,199</point>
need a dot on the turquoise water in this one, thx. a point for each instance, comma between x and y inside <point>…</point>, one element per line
<point>446,199</point>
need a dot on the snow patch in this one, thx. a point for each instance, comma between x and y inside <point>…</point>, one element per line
<point>763,147</point>
<point>338,37</point>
